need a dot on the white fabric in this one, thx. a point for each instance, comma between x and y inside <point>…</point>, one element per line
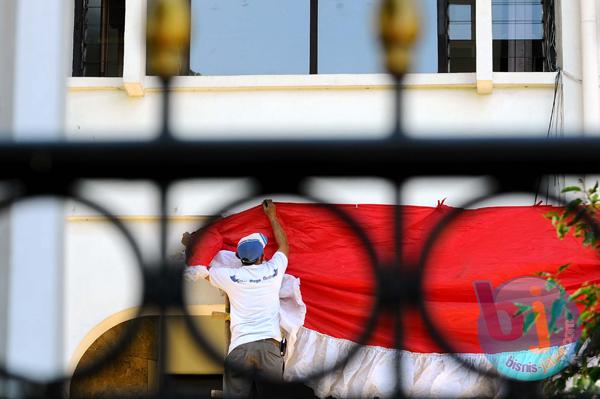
<point>195,273</point>
<point>370,373</point>
<point>292,309</point>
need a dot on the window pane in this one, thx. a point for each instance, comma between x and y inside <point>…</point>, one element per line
<point>518,32</point>
<point>98,38</point>
<point>250,37</point>
<point>349,43</point>
<point>347,38</point>
<point>460,23</point>
<point>457,49</point>
<point>426,49</point>
<point>518,19</point>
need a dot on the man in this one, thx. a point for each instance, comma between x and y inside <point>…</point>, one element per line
<point>253,290</point>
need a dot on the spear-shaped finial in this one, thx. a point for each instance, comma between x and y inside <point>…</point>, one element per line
<point>399,29</point>
<point>168,36</point>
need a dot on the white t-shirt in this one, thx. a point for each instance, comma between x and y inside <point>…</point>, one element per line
<point>253,293</point>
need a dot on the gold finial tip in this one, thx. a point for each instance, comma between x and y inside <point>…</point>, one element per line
<point>399,29</point>
<point>168,36</point>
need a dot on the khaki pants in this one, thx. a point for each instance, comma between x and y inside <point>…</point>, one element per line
<point>259,363</point>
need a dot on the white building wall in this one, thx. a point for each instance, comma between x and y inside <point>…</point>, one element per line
<point>285,107</point>
<point>101,277</point>
<point>326,106</point>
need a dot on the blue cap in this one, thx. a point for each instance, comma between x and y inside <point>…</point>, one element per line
<point>250,248</point>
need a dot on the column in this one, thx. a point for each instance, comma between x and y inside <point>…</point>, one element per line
<point>134,53</point>
<point>484,43</point>
<point>35,296</point>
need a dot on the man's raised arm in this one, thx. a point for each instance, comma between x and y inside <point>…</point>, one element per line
<point>280,236</point>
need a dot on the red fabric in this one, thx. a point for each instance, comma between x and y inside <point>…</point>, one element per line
<point>494,244</point>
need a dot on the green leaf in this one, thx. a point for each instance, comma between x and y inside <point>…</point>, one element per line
<point>580,291</point>
<point>571,189</point>
<point>522,309</point>
<point>589,238</point>
<point>558,307</point>
<point>594,373</point>
<point>583,382</point>
<point>564,267</point>
<point>544,275</point>
<point>561,230</point>
<point>583,317</point>
<point>552,215</point>
<point>561,383</point>
<point>551,284</point>
<point>568,314</point>
<point>528,322</point>
<point>593,189</point>
<point>572,205</point>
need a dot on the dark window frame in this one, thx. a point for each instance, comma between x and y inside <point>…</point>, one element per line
<point>107,49</point>
<point>529,55</point>
<point>314,38</point>
<point>78,35</point>
<point>443,26</point>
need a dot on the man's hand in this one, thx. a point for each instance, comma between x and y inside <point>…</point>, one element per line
<point>278,232</point>
<point>269,208</point>
<point>186,239</point>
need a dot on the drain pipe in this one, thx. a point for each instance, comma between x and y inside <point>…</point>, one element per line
<point>589,66</point>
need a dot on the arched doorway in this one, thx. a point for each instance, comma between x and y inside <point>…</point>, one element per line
<point>135,371</point>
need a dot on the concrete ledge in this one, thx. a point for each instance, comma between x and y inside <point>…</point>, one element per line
<point>136,218</point>
<point>315,82</point>
<point>485,86</point>
<point>84,84</point>
<point>134,89</point>
<point>311,82</point>
<point>524,79</point>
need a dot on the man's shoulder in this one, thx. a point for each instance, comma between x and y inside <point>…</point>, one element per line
<point>279,256</point>
<point>278,259</point>
<point>219,274</point>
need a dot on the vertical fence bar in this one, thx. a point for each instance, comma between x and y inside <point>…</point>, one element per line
<point>398,270</point>
<point>162,322</point>
<point>165,132</point>
<point>397,133</point>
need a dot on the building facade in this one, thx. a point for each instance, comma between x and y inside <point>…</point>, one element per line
<point>259,70</point>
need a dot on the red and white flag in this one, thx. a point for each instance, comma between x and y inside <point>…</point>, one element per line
<point>492,246</point>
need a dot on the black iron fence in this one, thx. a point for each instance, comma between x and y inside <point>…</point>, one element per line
<point>54,169</point>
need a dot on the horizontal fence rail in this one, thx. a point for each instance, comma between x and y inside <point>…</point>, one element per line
<point>393,158</point>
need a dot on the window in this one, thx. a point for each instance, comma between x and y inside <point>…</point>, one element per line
<point>456,36</point>
<point>348,41</point>
<point>519,28</point>
<point>249,37</point>
<point>98,38</point>
<point>271,37</point>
